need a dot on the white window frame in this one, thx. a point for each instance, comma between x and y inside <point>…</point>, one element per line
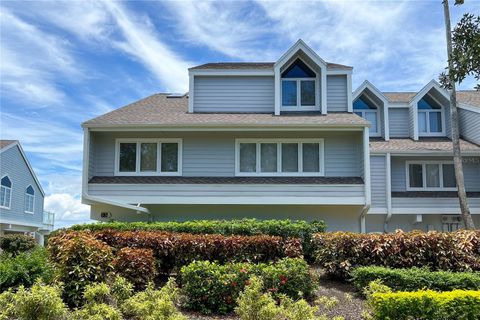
<point>427,116</point>
<point>10,188</point>
<point>27,195</point>
<point>424,176</point>
<point>377,115</point>
<point>279,172</point>
<point>138,142</point>
<point>299,106</point>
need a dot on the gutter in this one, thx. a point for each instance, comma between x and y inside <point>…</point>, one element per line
<point>388,160</point>
<point>137,208</point>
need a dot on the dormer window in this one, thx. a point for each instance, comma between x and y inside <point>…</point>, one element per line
<point>430,117</point>
<point>367,110</point>
<point>299,87</point>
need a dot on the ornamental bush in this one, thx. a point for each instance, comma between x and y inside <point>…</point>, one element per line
<point>81,260</point>
<point>25,268</point>
<point>135,265</point>
<point>340,252</point>
<point>16,243</point>
<point>212,287</point>
<point>173,250</point>
<point>426,305</point>
<point>415,279</point>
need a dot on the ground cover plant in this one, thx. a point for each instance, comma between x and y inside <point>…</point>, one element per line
<point>340,252</point>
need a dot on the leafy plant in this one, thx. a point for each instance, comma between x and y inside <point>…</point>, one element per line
<point>136,265</point>
<point>17,243</point>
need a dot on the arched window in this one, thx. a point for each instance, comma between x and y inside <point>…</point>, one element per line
<point>430,117</point>
<point>367,110</point>
<point>29,199</point>
<point>5,192</point>
<point>298,87</point>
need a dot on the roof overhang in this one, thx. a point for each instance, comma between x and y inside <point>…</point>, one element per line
<point>227,127</point>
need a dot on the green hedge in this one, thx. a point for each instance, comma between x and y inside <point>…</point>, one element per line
<point>211,287</point>
<point>245,227</point>
<point>426,305</point>
<point>415,279</point>
<point>16,243</point>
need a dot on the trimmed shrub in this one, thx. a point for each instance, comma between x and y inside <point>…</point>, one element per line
<point>245,227</point>
<point>136,265</point>
<point>426,305</point>
<point>24,269</point>
<point>81,260</point>
<point>16,243</point>
<point>211,287</point>
<point>41,302</point>
<point>415,279</point>
<point>100,303</point>
<point>339,252</point>
<point>173,250</point>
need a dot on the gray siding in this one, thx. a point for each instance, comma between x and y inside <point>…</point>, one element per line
<point>398,122</point>
<point>411,124</point>
<point>469,125</point>
<point>13,165</point>
<point>378,181</point>
<point>432,203</point>
<point>337,93</point>
<point>471,172</point>
<point>213,154</point>
<point>234,94</point>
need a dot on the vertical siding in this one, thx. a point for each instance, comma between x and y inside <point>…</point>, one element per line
<point>13,164</point>
<point>469,125</point>
<point>234,94</point>
<point>399,122</point>
<point>378,181</point>
<point>337,93</point>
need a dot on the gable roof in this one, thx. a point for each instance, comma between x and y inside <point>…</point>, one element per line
<point>252,65</point>
<point>8,144</point>
<point>470,97</point>
<point>159,110</point>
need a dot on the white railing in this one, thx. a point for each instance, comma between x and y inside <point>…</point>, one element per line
<point>48,219</point>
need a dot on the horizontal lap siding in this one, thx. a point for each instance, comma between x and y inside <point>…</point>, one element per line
<point>441,203</point>
<point>399,122</point>
<point>337,100</point>
<point>234,94</point>
<point>13,165</point>
<point>378,181</point>
<point>470,125</point>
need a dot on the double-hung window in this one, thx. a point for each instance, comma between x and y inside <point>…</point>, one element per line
<point>299,87</point>
<point>29,199</point>
<point>367,110</point>
<point>5,193</point>
<point>279,157</point>
<point>430,117</point>
<point>148,157</point>
<point>430,176</point>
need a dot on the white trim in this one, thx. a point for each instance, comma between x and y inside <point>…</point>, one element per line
<point>191,91</point>
<point>425,153</point>
<point>378,132</point>
<point>87,199</point>
<point>349,93</point>
<point>366,163</point>
<point>138,142</point>
<point>335,72</point>
<point>232,127</point>
<point>468,107</point>
<point>11,187</point>
<point>231,72</point>
<point>279,141</point>
<point>16,143</point>
<point>424,175</point>
<point>27,195</point>
<point>19,223</point>
<point>86,160</point>
<point>389,182</point>
<point>299,106</point>
<point>427,119</point>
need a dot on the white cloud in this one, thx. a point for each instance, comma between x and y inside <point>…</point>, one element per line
<point>68,209</point>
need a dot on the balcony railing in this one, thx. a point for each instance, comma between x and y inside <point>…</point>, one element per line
<point>48,220</point>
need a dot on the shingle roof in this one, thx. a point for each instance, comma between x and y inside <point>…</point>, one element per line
<point>424,144</point>
<point>5,143</point>
<point>470,97</point>
<point>228,180</point>
<point>253,65</point>
<point>158,110</point>
<point>399,96</point>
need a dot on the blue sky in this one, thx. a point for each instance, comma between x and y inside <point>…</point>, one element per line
<point>65,62</point>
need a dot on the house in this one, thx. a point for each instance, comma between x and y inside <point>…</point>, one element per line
<point>21,195</point>
<point>286,139</point>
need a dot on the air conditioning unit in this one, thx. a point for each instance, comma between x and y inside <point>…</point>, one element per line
<point>451,219</point>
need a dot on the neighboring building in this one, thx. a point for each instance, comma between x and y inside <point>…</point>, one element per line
<point>284,139</point>
<point>21,195</point>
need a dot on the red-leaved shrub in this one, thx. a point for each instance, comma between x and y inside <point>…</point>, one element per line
<point>135,265</point>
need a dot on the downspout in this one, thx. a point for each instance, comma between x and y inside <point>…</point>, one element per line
<point>363,214</point>
<point>366,174</point>
<point>388,192</point>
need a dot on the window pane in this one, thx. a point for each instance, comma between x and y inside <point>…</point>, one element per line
<point>148,157</point>
<point>128,153</point>
<point>248,157</point>
<point>372,117</point>
<point>169,157</point>
<point>433,175</point>
<point>422,122</point>
<point>449,176</point>
<point>6,182</point>
<point>298,69</point>
<point>289,93</point>
<point>3,197</point>
<point>311,157</point>
<point>415,176</point>
<point>358,114</point>
<point>307,90</point>
<point>435,122</point>
<point>268,157</point>
<point>289,157</point>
